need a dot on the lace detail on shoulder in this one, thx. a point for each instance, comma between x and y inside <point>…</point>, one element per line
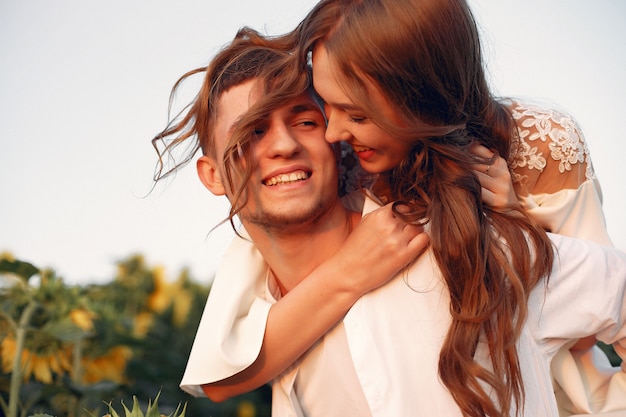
<point>546,133</point>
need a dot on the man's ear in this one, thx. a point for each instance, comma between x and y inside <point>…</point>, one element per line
<point>210,175</point>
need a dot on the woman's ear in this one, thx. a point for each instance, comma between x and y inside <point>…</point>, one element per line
<point>210,175</point>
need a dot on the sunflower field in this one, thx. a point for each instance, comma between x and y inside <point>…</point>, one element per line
<point>87,350</point>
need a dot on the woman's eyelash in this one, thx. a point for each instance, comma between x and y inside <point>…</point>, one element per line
<point>357,119</point>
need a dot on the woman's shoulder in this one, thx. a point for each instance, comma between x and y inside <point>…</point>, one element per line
<point>543,120</point>
<point>548,139</point>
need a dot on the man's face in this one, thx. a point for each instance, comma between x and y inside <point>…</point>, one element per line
<point>294,181</point>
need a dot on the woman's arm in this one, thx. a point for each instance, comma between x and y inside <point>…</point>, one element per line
<point>553,174</point>
<point>585,294</point>
<point>553,177</point>
<point>320,301</point>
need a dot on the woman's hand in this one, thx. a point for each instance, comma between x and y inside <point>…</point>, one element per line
<point>495,179</point>
<point>378,248</point>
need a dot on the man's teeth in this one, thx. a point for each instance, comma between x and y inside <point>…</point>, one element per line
<point>286,178</point>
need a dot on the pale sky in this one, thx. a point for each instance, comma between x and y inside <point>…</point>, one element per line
<point>84,86</point>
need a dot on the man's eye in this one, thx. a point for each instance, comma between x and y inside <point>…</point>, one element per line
<point>309,122</point>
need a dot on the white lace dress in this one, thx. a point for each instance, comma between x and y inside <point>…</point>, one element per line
<point>554,177</point>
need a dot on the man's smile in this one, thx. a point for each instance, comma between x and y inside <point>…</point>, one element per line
<point>287,178</point>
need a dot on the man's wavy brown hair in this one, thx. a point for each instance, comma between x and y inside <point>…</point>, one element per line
<point>250,56</point>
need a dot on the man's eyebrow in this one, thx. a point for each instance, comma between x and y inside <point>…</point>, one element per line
<point>294,110</point>
<point>304,107</point>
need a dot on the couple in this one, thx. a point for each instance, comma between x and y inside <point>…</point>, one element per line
<point>470,326</point>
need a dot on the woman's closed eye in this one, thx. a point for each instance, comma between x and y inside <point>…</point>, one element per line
<point>356,119</point>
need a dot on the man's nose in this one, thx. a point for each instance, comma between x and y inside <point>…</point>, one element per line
<point>282,142</point>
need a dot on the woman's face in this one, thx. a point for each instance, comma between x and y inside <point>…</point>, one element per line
<point>377,150</point>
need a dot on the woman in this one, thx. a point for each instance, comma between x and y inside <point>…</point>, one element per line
<point>436,81</point>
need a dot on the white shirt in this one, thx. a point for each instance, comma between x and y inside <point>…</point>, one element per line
<point>394,333</point>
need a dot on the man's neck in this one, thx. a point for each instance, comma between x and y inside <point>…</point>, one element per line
<point>294,253</point>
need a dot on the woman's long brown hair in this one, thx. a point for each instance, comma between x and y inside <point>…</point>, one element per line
<point>425,57</point>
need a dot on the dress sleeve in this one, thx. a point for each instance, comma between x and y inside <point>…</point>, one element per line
<point>570,305</point>
<point>231,330</point>
<point>553,174</point>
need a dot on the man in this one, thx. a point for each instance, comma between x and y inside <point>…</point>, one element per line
<point>283,185</point>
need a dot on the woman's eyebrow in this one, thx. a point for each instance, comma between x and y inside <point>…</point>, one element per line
<point>345,106</point>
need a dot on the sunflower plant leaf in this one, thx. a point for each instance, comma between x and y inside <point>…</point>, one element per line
<point>65,330</point>
<point>112,411</point>
<point>136,411</point>
<point>153,408</point>
<point>24,270</point>
<point>176,413</point>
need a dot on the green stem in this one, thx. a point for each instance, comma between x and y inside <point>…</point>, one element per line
<point>77,372</point>
<point>16,374</point>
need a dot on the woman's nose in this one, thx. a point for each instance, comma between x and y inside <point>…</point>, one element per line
<point>335,131</point>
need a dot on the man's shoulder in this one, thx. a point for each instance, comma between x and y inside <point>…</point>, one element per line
<point>354,201</point>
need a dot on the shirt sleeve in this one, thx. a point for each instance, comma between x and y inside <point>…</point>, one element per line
<point>231,330</point>
<point>570,305</point>
<point>576,213</point>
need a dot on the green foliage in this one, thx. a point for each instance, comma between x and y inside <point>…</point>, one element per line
<point>22,269</point>
<point>151,411</point>
<point>71,350</point>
